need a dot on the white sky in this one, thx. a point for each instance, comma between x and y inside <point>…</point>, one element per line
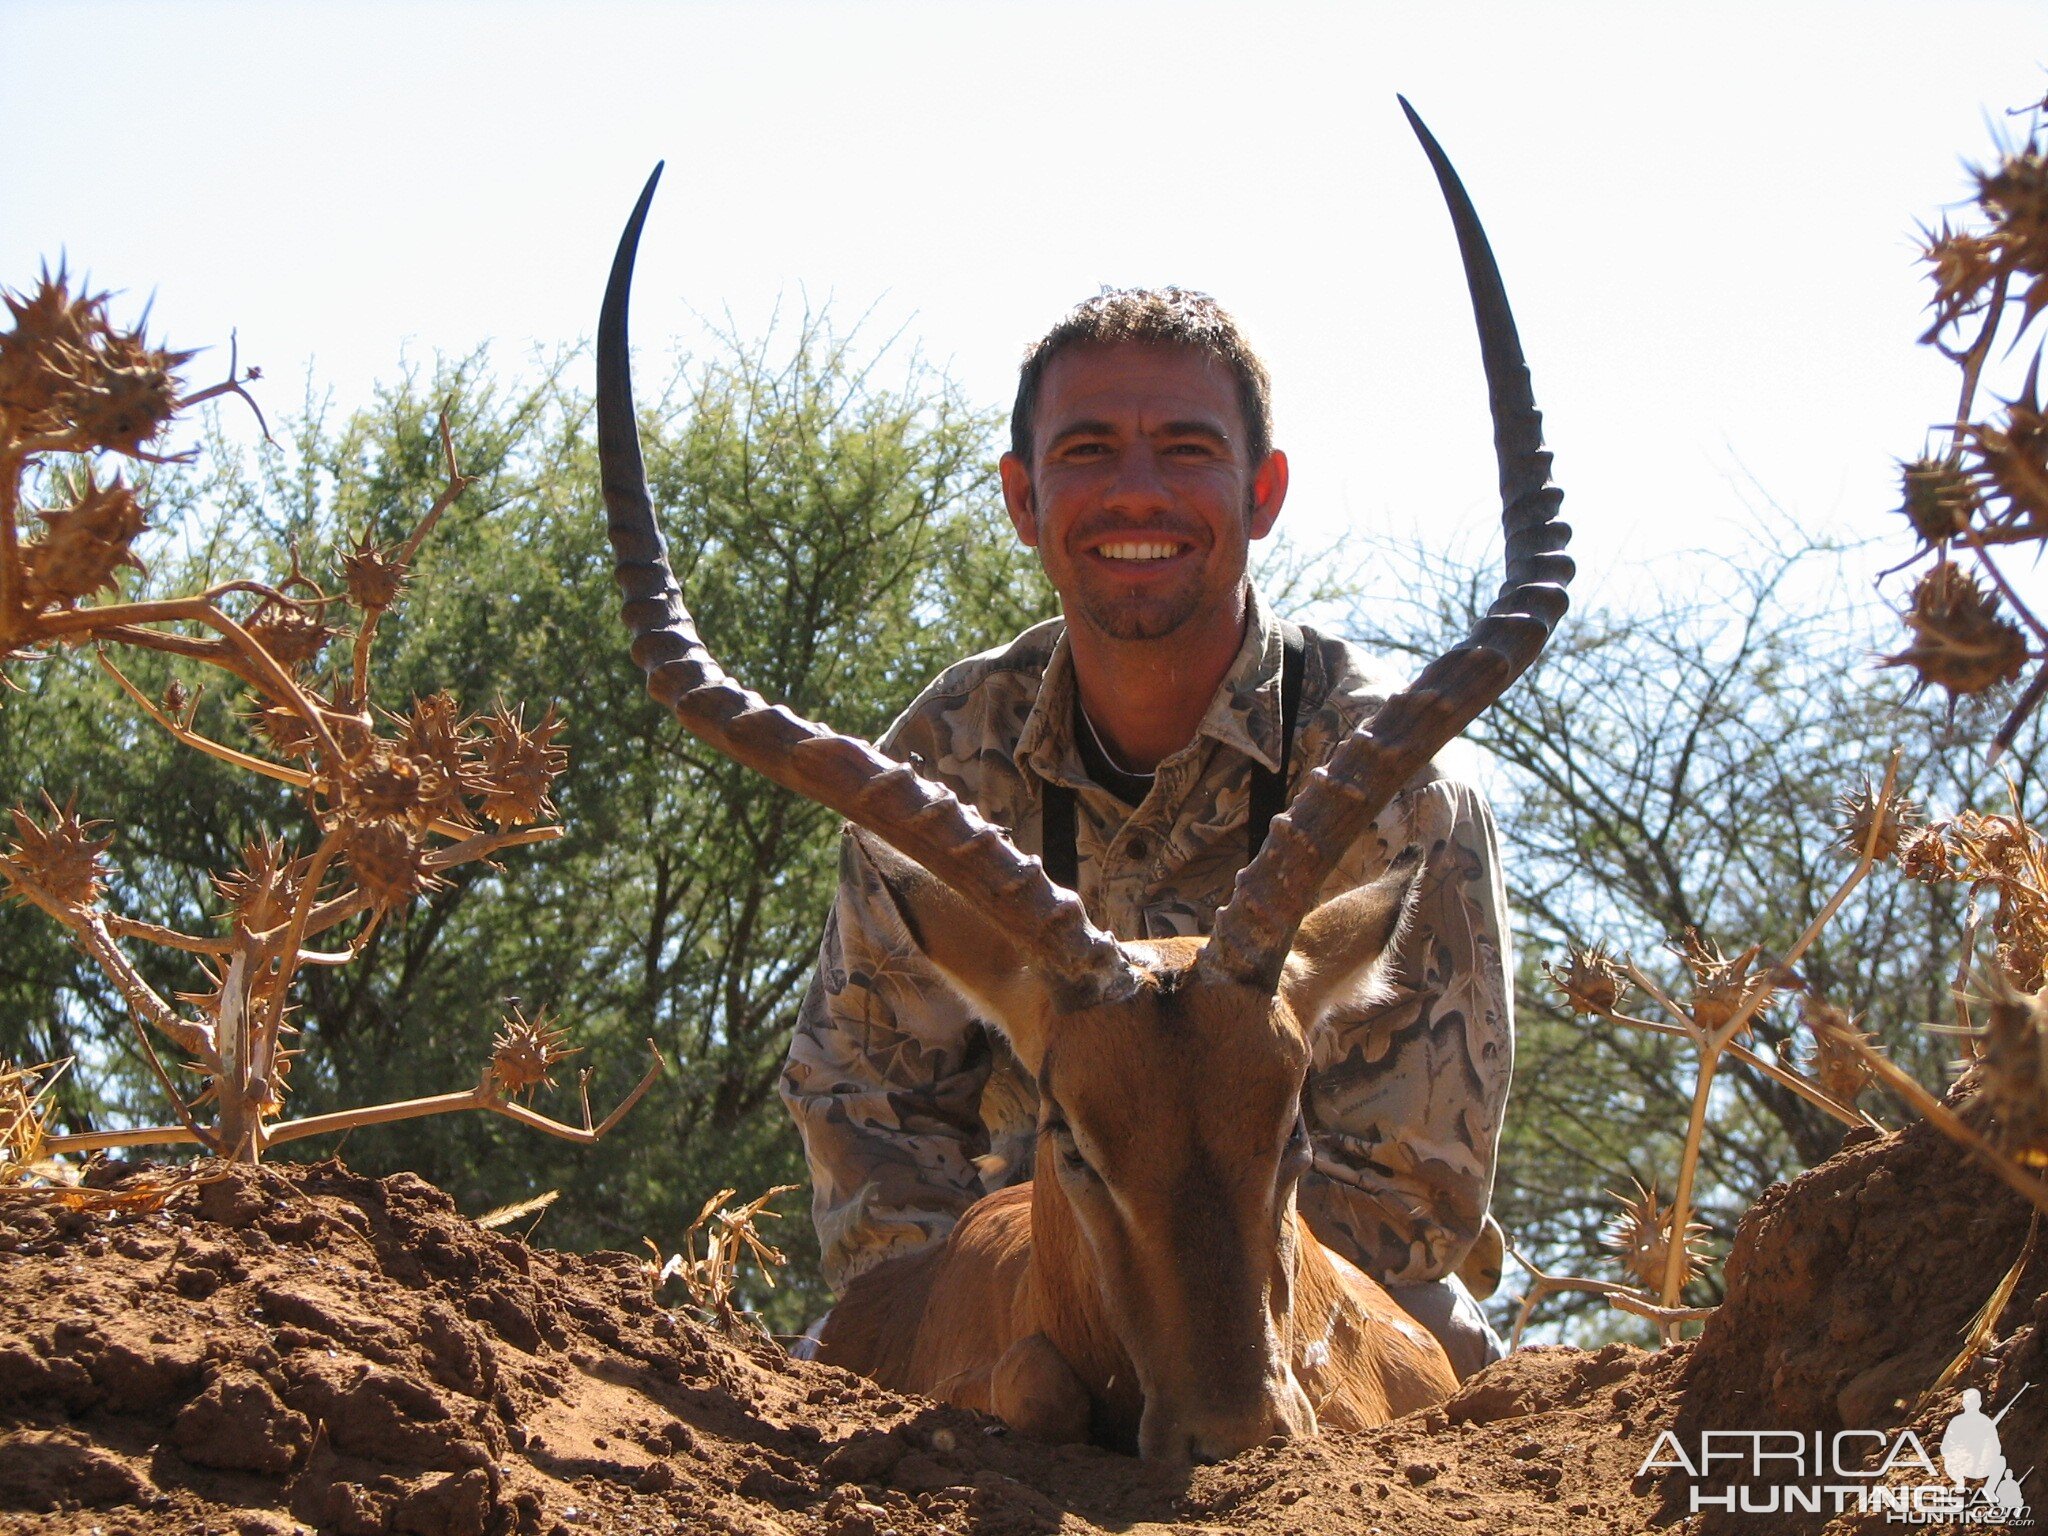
<point>1704,213</point>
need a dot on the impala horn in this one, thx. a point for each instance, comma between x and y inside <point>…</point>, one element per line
<point>920,819</point>
<point>1275,891</point>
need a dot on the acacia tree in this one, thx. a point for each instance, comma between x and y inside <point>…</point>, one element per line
<point>840,532</point>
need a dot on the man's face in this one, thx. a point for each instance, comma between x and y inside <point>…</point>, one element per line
<point>1141,498</point>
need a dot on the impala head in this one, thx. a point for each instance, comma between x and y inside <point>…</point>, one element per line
<point>1171,1138</point>
<point>1170,1071</point>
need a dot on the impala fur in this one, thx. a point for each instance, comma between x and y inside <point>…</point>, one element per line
<point>1153,1287</point>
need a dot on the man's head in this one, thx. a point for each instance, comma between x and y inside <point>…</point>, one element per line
<point>1142,466</point>
<point>1165,317</point>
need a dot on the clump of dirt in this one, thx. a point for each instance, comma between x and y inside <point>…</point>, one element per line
<point>1850,1290</point>
<point>289,1350</point>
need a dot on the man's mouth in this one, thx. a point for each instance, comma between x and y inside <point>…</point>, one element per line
<point>1138,549</point>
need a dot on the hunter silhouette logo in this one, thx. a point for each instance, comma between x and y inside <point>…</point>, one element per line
<point>1970,1452</point>
<point>1793,1471</point>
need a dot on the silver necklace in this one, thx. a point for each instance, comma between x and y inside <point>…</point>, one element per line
<point>1108,756</point>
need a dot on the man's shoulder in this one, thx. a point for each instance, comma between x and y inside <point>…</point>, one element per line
<point>1345,685</point>
<point>985,697</point>
<point>1344,678</point>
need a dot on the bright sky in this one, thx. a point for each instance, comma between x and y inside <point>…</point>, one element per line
<point>1705,213</point>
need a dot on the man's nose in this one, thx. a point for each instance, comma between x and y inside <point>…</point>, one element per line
<point>1138,490</point>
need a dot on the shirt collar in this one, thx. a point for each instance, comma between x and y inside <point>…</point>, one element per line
<point>1244,714</point>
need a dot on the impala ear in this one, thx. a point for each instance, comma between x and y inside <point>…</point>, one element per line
<point>1339,948</point>
<point>981,961</point>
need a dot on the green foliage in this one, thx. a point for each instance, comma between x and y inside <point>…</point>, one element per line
<point>840,538</point>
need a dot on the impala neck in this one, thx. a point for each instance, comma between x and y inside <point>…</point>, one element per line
<point>1067,1302</point>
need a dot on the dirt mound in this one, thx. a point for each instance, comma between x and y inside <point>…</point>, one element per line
<point>302,1349</point>
<point>1849,1291</point>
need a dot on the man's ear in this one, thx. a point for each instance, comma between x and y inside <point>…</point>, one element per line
<point>1339,949</point>
<point>978,958</point>
<point>1016,477</point>
<point>1269,490</point>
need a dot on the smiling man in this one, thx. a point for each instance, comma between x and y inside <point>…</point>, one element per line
<point>1142,742</point>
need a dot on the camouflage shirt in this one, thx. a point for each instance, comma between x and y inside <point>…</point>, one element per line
<point>911,1109</point>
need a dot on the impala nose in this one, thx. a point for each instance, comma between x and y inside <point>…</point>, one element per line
<point>1282,1413</point>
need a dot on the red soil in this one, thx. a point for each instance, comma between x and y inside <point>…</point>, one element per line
<point>303,1349</point>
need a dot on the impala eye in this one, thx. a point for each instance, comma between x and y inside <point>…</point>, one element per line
<point>1299,1152</point>
<point>1071,1158</point>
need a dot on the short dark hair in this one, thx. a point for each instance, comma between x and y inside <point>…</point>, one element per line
<point>1160,317</point>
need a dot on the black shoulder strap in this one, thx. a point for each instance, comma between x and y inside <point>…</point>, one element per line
<point>1056,837</point>
<point>1057,848</point>
<point>1269,789</point>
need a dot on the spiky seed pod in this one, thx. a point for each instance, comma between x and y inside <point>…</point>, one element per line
<point>82,545</point>
<point>1962,266</point>
<point>1859,810</point>
<point>2009,460</point>
<point>1938,497</point>
<point>389,861</point>
<point>438,739</point>
<point>437,728</point>
<point>124,394</point>
<point>1590,980</point>
<point>517,766</point>
<point>1924,855</point>
<point>2015,198</point>
<point>384,782</point>
<point>526,1052</point>
<point>63,858</point>
<point>2015,1056</point>
<point>284,730</point>
<point>373,576</point>
<point>40,354</point>
<point>294,636</point>
<point>353,734</point>
<point>1960,640</point>
<point>1991,846</point>
<point>2011,858</point>
<point>1640,1235</point>
<point>1832,1059</point>
<point>262,892</point>
<point>1719,982</point>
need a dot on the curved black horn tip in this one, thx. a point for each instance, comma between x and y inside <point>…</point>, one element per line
<point>1415,121</point>
<point>629,239</point>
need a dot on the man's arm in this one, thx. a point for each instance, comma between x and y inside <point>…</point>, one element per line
<point>883,1078</point>
<point>1406,1101</point>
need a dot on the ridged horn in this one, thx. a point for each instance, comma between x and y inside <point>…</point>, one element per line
<point>922,820</point>
<point>1256,929</point>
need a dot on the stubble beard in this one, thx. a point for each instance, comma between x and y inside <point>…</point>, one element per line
<point>1152,617</point>
<point>1145,616</point>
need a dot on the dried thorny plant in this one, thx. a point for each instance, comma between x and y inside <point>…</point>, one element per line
<point>2000,856</point>
<point>1985,486</point>
<point>1658,1244</point>
<point>730,1235</point>
<point>24,1115</point>
<point>397,799</point>
<point>1979,491</point>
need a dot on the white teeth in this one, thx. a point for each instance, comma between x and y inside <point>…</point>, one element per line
<point>1136,551</point>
